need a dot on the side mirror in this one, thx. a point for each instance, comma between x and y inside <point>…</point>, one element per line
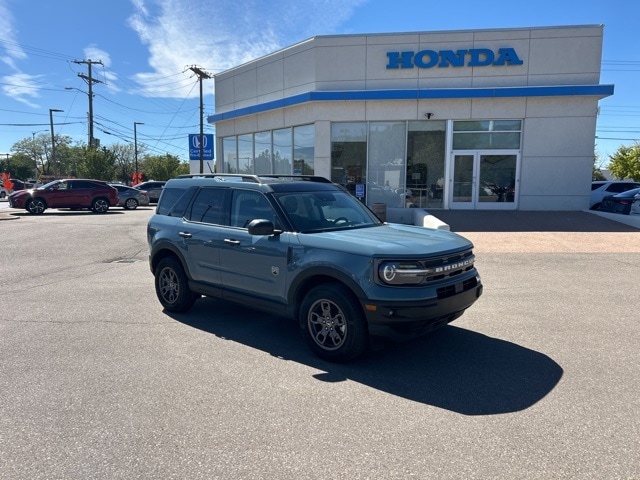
<point>261,226</point>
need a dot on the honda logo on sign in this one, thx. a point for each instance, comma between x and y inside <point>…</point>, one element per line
<point>207,146</point>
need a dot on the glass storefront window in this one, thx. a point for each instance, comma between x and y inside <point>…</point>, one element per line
<point>283,151</point>
<point>245,153</point>
<point>401,164</point>
<point>303,149</point>
<point>349,154</point>
<point>426,144</point>
<point>263,160</point>
<point>487,135</point>
<point>230,155</point>
<point>386,166</point>
<point>282,145</point>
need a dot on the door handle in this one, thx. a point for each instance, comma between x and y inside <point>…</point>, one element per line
<point>184,234</point>
<point>231,241</point>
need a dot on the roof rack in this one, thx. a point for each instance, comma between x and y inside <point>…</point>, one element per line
<point>297,178</point>
<point>256,178</point>
<point>236,177</point>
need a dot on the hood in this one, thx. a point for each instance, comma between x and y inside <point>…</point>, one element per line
<point>388,240</point>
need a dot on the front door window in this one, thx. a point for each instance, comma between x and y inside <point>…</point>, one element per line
<point>485,180</point>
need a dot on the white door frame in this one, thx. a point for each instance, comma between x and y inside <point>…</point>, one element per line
<point>474,202</point>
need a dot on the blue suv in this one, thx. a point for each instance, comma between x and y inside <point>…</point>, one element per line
<point>305,248</point>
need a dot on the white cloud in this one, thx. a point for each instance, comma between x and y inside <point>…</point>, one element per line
<point>217,35</point>
<point>21,87</point>
<point>8,36</point>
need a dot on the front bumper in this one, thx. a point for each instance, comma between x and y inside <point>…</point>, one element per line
<point>402,320</point>
<point>17,202</point>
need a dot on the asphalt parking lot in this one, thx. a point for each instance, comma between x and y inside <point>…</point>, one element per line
<point>537,380</point>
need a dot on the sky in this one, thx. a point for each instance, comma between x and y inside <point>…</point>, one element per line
<point>142,51</point>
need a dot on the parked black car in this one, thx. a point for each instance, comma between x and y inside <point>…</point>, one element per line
<point>620,203</point>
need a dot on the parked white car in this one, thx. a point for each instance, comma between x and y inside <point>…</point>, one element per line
<point>3,193</point>
<point>602,188</point>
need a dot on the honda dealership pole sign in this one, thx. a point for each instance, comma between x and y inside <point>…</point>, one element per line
<point>201,150</point>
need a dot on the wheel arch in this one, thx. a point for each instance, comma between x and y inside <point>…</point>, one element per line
<point>309,279</point>
<point>163,251</point>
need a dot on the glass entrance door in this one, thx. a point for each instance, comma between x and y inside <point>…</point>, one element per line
<point>484,180</point>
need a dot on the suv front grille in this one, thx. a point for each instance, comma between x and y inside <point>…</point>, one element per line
<point>457,288</point>
<point>448,266</point>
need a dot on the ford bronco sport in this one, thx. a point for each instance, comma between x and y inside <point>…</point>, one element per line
<point>305,248</point>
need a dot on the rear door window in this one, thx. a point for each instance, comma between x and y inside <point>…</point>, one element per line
<point>208,206</point>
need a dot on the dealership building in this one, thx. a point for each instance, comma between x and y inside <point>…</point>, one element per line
<point>484,119</point>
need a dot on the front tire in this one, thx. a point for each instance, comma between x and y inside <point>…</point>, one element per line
<point>172,286</point>
<point>36,206</point>
<point>100,205</point>
<point>333,324</point>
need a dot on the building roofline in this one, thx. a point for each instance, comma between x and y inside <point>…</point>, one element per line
<point>600,91</point>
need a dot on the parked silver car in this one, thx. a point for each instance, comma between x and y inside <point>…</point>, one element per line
<point>130,197</point>
<point>153,188</point>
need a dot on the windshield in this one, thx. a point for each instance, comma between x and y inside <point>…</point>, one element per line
<point>322,211</point>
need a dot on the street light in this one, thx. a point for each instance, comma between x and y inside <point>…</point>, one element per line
<point>53,140</point>
<point>135,145</point>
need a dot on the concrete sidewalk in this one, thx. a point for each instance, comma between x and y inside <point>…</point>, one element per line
<point>525,221</point>
<point>544,232</point>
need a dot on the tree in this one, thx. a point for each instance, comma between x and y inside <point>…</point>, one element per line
<point>162,167</point>
<point>99,164</point>
<point>125,161</point>
<point>38,150</point>
<point>597,165</point>
<point>18,165</point>
<point>625,163</point>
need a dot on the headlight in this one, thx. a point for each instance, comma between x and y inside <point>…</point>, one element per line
<point>401,273</point>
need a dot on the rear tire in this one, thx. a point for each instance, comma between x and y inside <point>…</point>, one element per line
<point>172,286</point>
<point>131,204</point>
<point>332,324</point>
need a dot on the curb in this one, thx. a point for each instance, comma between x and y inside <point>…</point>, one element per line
<point>6,216</point>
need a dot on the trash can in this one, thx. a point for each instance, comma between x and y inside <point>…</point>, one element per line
<point>380,209</point>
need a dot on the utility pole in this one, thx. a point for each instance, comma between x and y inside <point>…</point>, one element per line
<point>201,74</point>
<point>53,139</point>
<point>90,81</point>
